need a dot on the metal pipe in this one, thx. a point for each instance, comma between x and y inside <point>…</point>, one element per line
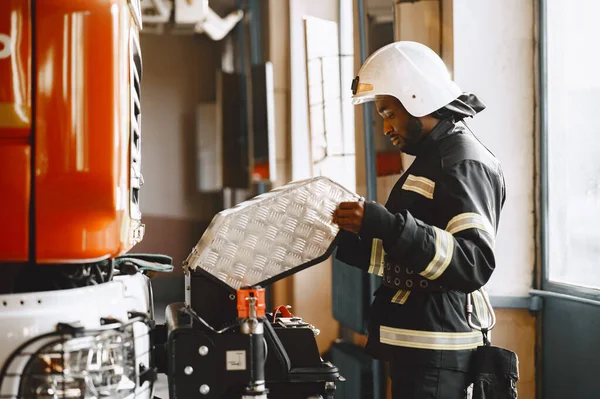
<point>556,295</point>
<point>244,137</point>
<point>371,180</point>
<point>543,143</point>
<point>532,303</point>
<point>255,33</point>
<point>370,169</point>
<point>371,173</point>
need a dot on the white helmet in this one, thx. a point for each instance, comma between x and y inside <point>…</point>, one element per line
<point>409,71</point>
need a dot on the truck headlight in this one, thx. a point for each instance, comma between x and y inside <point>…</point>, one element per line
<point>90,366</point>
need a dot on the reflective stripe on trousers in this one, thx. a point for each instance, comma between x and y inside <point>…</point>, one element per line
<point>437,340</point>
<point>430,339</point>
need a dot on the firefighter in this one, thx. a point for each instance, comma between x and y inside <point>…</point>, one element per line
<point>433,241</point>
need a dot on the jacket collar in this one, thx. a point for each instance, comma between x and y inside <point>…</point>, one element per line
<point>441,130</point>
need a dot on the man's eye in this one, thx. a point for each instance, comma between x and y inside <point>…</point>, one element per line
<point>391,116</point>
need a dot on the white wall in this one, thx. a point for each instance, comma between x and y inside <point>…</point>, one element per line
<point>279,55</point>
<point>179,72</point>
<point>494,58</point>
<point>325,9</point>
<point>312,287</point>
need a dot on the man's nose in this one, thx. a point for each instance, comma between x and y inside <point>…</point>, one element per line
<point>387,127</point>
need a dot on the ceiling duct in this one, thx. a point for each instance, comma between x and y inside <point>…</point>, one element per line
<point>187,17</point>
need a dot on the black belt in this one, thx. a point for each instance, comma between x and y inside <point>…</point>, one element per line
<point>403,278</point>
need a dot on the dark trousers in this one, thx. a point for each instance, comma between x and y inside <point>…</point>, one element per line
<point>428,383</point>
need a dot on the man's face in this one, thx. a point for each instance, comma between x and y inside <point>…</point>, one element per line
<point>403,129</point>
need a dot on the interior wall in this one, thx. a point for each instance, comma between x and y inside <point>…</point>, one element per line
<point>279,56</point>
<point>299,9</point>
<point>311,287</point>
<point>500,70</point>
<point>178,73</point>
<point>493,56</point>
<point>359,128</point>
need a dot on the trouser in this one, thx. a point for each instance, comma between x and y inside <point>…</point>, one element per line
<point>428,383</point>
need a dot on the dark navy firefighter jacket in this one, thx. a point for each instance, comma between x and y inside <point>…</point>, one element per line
<point>432,243</point>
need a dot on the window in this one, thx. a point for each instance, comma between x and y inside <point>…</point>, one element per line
<point>331,118</point>
<point>571,88</point>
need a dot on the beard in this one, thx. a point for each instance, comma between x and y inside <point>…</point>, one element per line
<point>414,135</point>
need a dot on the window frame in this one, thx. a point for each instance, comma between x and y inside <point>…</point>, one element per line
<point>546,283</point>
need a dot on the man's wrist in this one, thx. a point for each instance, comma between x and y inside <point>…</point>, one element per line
<point>378,222</point>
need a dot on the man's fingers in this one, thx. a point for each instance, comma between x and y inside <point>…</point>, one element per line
<point>348,216</point>
<point>348,222</point>
<point>349,205</point>
<point>345,213</point>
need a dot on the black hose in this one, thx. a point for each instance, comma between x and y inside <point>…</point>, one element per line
<point>98,273</point>
<point>111,270</point>
<point>192,313</point>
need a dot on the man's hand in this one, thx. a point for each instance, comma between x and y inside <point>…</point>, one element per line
<point>349,216</point>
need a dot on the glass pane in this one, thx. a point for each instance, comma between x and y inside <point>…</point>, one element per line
<point>331,78</point>
<point>317,132</point>
<point>573,88</point>
<point>315,82</point>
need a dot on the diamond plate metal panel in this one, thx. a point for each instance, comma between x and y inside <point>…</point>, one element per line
<point>272,235</point>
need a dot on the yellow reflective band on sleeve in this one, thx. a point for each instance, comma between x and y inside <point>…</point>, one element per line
<point>429,339</point>
<point>377,258</point>
<point>470,220</point>
<point>444,248</point>
<point>401,297</point>
<point>420,185</point>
